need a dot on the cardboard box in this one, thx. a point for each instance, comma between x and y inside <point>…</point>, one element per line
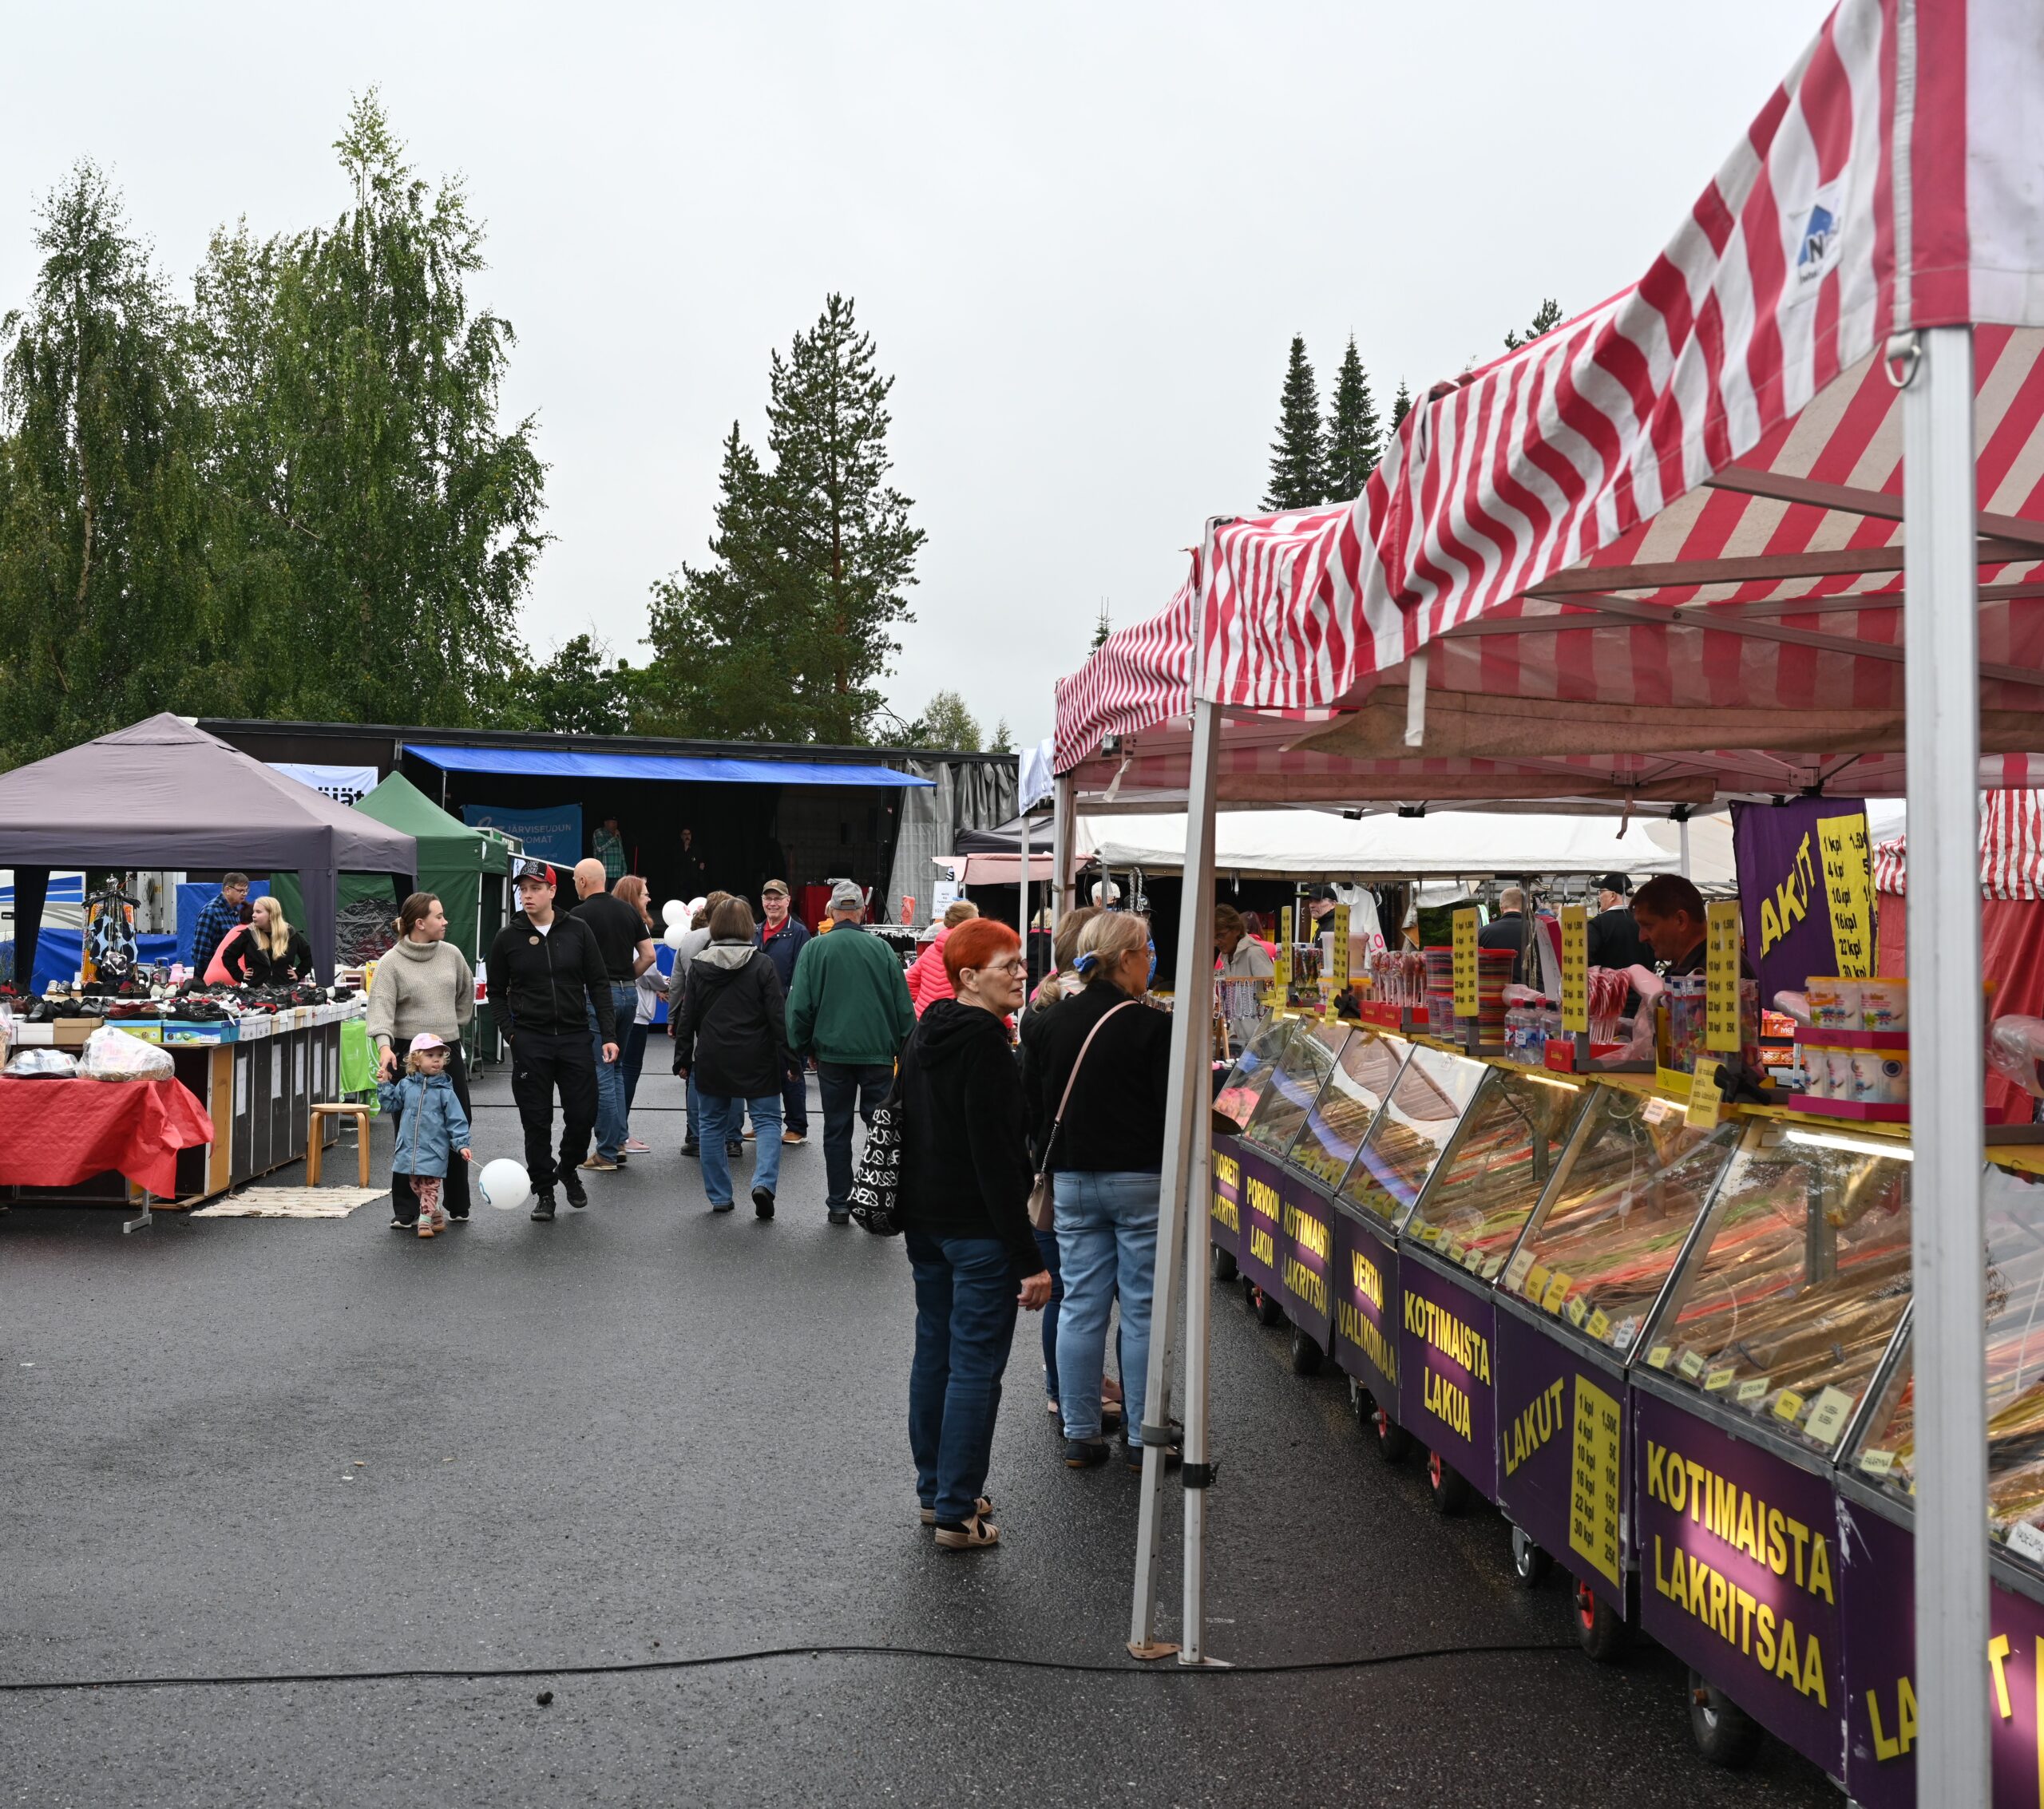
<point>200,1033</point>
<point>149,1030</point>
<point>35,1035</point>
<point>72,1032</point>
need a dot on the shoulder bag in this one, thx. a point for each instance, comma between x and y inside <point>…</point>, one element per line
<point>1043,1207</point>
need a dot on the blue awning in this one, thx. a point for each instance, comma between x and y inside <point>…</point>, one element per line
<point>569,763</point>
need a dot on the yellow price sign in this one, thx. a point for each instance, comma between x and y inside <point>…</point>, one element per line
<point>1846,852</point>
<point>1467,1002</point>
<point>1575,967</point>
<point>1721,975</point>
<point>1338,966</point>
<point>1707,1101</point>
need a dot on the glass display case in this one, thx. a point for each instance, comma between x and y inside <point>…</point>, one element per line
<point>1298,1073</point>
<point>1631,1184</point>
<point>1407,1138</point>
<point>1247,1079</point>
<point>1795,1283</point>
<point>1495,1171</point>
<point>1885,1454</point>
<point>1356,1087</point>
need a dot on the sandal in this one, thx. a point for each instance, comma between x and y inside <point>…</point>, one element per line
<point>983,1506</point>
<point>975,1534</point>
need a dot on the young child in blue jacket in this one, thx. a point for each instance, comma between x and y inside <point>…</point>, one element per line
<point>432,1128</point>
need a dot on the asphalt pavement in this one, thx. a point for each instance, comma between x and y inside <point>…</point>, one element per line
<point>645,1436</point>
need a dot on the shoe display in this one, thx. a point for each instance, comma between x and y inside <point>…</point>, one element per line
<point>762,1197</point>
<point>578,1195</point>
<point>543,1206</point>
<point>1087,1454</point>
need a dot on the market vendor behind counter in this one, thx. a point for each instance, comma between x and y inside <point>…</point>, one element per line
<point>266,951</point>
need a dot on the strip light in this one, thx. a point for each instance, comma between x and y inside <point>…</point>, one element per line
<point>1858,1146</point>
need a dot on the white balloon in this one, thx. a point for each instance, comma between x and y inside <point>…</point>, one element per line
<point>676,932</point>
<point>673,911</point>
<point>695,905</point>
<point>505,1185</point>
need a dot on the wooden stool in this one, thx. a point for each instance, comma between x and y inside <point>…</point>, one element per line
<point>315,1143</point>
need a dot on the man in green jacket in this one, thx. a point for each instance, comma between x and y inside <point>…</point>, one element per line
<point>848,1007</point>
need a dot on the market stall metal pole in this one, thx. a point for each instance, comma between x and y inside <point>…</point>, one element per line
<point>1181,1226</point>
<point>1064,835</point>
<point>1022,894</point>
<point>1941,587</point>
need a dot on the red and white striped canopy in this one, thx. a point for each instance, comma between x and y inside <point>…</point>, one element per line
<point>1660,547</point>
<point>2011,849</point>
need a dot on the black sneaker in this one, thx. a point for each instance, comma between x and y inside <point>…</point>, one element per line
<point>1086,1453</point>
<point>733,1151</point>
<point>694,1149</point>
<point>404,1224</point>
<point>1174,1456</point>
<point>840,1218</point>
<point>763,1202</point>
<point>620,1158</point>
<point>724,1207</point>
<point>543,1206</point>
<point>578,1196</point>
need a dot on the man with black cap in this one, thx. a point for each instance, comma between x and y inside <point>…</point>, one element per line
<point>546,975</point>
<point>1615,941</point>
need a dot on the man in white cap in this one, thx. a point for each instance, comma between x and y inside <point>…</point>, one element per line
<point>849,1008</point>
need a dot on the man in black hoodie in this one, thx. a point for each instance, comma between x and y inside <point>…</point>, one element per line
<point>543,966</point>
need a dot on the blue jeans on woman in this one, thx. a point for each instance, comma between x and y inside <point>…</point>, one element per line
<point>1106,1240</point>
<point>965,1307</point>
<point>1047,1248</point>
<point>723,1118</point>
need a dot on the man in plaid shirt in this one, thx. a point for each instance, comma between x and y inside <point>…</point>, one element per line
<point>221,915</point>
<point>608,846</point>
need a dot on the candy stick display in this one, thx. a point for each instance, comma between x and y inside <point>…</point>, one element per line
<point>1492,1181</point>
<point>1407,1137</point>
<point>1296,1079</point>
<point>1356,1087</point>
<point>1247,1079</point>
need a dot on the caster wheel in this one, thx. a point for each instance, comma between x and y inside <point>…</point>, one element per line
<point>1447,1485</point>
<point>1250,1291</point>
<point>1224,1265</point>
<point>1306,1355</point>
<point>1725,1734</point>
<point>1268,1311</point>
<point>1392,1440</point>
<point>1530,1564</point>
<point>1360,1405</point>
<point>1600,1629</point>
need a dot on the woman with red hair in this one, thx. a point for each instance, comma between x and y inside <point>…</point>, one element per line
<point>964,1208</point>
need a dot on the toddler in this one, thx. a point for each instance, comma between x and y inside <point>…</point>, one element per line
<point>431,1129</point>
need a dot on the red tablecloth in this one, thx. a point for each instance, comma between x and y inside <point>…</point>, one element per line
<point>57,1133</point>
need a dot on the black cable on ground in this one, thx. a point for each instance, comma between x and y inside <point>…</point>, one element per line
<point>1130,1668</point>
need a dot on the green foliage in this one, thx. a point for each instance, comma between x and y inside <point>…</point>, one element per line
<point>581,690</point>
<point>1354,444</point>
<point>1298,455</point>
<point>1402,405</point>
<point>787,634</point>
<point>1546,317</point>
<point>1103,628</point>
<point>946,723</point>
<point>1003,739</point>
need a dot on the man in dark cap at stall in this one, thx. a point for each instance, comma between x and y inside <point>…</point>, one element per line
<point>1614,938</point>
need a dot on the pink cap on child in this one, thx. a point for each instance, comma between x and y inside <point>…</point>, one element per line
<point>426,1039</point>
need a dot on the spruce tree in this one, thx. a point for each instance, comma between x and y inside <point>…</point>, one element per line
<point>1402,405</point>
<point>1546,317</point>
<point>1298,456</point>
<point>1101,629</point>
<point>1354,443</point>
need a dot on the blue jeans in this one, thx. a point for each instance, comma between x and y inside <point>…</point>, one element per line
<point>632,1057</point>
<point>723,1118</point>
<point>694,1111</point>
<point>1106,1240</point>
<point>1047,1248</point>
<point>612,1126</point>
<point>965,1311</point>
<point>843,1089</point>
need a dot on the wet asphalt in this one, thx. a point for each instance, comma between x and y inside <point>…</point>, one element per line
<point>244,1448</point>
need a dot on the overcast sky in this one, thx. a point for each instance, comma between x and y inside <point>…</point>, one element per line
<point>1082,235</point>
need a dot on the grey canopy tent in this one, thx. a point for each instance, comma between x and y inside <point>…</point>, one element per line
<point>163,794</point>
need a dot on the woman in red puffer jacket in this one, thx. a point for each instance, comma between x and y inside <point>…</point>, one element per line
<point>928,980</point>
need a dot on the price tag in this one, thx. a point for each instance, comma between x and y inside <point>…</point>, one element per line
<point>1721,975</point>
<point>1559,1284</point>
<point>1472,1259</point>
<point>1717,1380</point>
<point>1877,1462</point>
<point>1600,1326</point>
<point>1787,1405</point>
<point>1514,1275</point>
<point>1846,852</point>
<point>1575,967</point>
<point>1706,1103</point>
<point>1431,1234</point>
<point>1623,1333</point>
<point>1491,1267</point>
<point>1657,1109</point>
<point>1574,1310</point>
<point>1690,1365</point>
<point>1339,966</point>
<point>1468,1002</point>
<point>1751,1390</point>
<point>2026,1541</point>
<point>1828,1413</point>
<point>1536,1283</point>
<point>1657,1357</point>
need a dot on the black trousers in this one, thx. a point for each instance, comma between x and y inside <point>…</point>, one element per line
<point>541,1064</point>
<point>455,1195</point>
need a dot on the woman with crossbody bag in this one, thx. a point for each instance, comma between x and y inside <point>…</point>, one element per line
<point>1097,1090</point>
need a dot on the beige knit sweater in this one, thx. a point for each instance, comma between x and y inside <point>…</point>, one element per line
<point>421,986</point>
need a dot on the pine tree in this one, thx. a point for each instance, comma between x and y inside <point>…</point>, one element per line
<point>1402,405</point>
<point>1546,317</point>
<point>1298,455</point>
<point>1353,442</point>
<point>1003,741</point>
<point>1101,629</point>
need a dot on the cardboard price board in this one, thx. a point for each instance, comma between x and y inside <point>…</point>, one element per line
<point>1575,967</point>
<point>1721,975</point>
<point>1846,853</point>
<point>1467,1004</point>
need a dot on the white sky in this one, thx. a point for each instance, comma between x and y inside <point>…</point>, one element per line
<point>1082,235</point>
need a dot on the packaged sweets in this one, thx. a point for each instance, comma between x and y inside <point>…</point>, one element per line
<point>1884,1004</point>
<point>1834,1003</point>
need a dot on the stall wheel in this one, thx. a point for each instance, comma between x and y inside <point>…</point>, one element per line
<point>1269,1311</point>
<point>1392,1440</point>
<point>1530,1564</point>
<point>1224,1264</point>
<point>1600,1628</point>
<point>1725,1734</point>
<point>1360,1405</point>
<point>1447,1485</point>
<point>1306,1355</point>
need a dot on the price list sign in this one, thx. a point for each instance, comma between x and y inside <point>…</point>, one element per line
<point>1846,852</point>
<point>1280,978</point>
<point>1338,967</point>
<point>1467,1003</point>
<point>1575,967</point>
<point>1594,1493</point>
<point>1721,975</point>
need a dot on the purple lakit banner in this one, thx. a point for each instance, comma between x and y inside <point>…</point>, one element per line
<point>1307,1252</point>
<point>1738,1572</point>
<point>1562,1452</point>
<point>1447,1387</point>
<point>1784,910</point>
<point>1366,1308</point>
<point>1224,1212</point>
<point>1263,1224</point>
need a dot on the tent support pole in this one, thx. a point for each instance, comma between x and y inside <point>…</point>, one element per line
<point>1064,835</point>
<point>1181,1208</point>
<point>1682,829</point>
<point>1948,1231</point>
<point>1022,893</point>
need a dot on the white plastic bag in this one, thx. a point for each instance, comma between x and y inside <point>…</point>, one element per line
<point>113,1055</point>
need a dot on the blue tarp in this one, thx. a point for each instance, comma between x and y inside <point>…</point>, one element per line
<point>565,763</point>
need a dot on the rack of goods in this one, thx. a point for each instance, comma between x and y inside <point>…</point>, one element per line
<point>1876,1489</point>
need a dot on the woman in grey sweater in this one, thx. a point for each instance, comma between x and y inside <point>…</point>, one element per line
<point>424,984</point>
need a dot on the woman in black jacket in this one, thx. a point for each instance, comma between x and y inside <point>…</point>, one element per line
<point>269,952</point>
<point>732,1037</point>
<point>964,1201</point>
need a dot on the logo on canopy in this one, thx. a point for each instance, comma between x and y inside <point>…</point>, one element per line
<point>1814,233</point>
